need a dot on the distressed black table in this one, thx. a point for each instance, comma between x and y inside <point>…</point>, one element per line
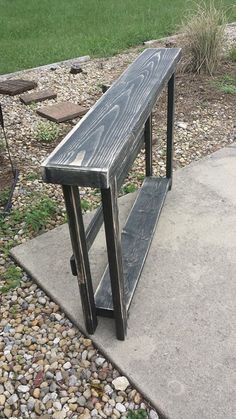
<point>99,152</point>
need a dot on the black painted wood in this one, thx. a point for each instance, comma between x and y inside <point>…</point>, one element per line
<point>135,242</point>
<point>97,220</point>
<point>148,146</point>
<point>170,127</point>
<point>78,241</point>
<point>113,239</point>
<point>99,152</point>
<point>92,153</point>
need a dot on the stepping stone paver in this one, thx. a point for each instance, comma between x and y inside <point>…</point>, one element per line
<point>39,96</point>
<point>17,86</point>
<point>63,111</point>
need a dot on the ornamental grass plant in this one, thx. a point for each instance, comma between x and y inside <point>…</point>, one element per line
<point>204,35</point>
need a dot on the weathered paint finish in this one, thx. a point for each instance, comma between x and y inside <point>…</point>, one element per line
<point>78,241</point>
<point>99,152</point>
<point>93,151</point>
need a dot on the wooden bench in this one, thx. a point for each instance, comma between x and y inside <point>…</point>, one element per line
<point>99,152</point>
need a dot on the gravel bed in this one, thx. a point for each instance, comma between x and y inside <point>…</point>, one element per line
<point>48,369</point>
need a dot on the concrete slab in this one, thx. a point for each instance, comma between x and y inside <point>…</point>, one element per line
<point>180,348</point>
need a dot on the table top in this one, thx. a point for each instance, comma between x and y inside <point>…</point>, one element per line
<point>90,154</point>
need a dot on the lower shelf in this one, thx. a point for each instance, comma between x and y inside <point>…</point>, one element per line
<point>136,239</point>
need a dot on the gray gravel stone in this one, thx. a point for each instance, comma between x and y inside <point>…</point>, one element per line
<point>59,376</point>
<point>81,401</point>
<point>49,375</point>
<point>53,387</point>
<point>30,403</point>
<point>120,407</point>
<point>73,380</point>
<point>23,389</point>
<point>9,387</point>
<point>99,361</point>
<point>67,366</point>
<point>12,399</point>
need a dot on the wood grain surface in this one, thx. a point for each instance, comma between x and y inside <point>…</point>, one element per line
<point>93,151</point>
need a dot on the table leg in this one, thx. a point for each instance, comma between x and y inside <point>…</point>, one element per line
<point>79,246</point>
<point>113,240</point>
<point>170,128</point>
<point>148,145</point>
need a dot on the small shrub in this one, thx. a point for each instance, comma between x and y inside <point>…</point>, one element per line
<point>47,132</point>
<point>204,33</point>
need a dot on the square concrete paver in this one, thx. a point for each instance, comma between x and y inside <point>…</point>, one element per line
<point>62,112</point>
<point>17,86</point>
<point>180,347</point>
<point>39,96</point>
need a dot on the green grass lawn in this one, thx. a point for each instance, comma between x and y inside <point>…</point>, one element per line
<point>37,32</point>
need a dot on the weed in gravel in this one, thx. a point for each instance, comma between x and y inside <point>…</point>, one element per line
<point>13,310</point>
<point>4,195</point>
<point>33,106</point>
<point>128,188</point>
<point>20,359</point>
<point>37,216</point>
<point>32,176</point>
<point>226,84</point>
<point>33,217</point>
<point>85,205</point>
<point>140,177</point>
<point>232,54</point>
<point>12,277</point>
<point>7,247</point>
<point>47,132</point>
<point>2,146</point>
<point>137,414</point>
